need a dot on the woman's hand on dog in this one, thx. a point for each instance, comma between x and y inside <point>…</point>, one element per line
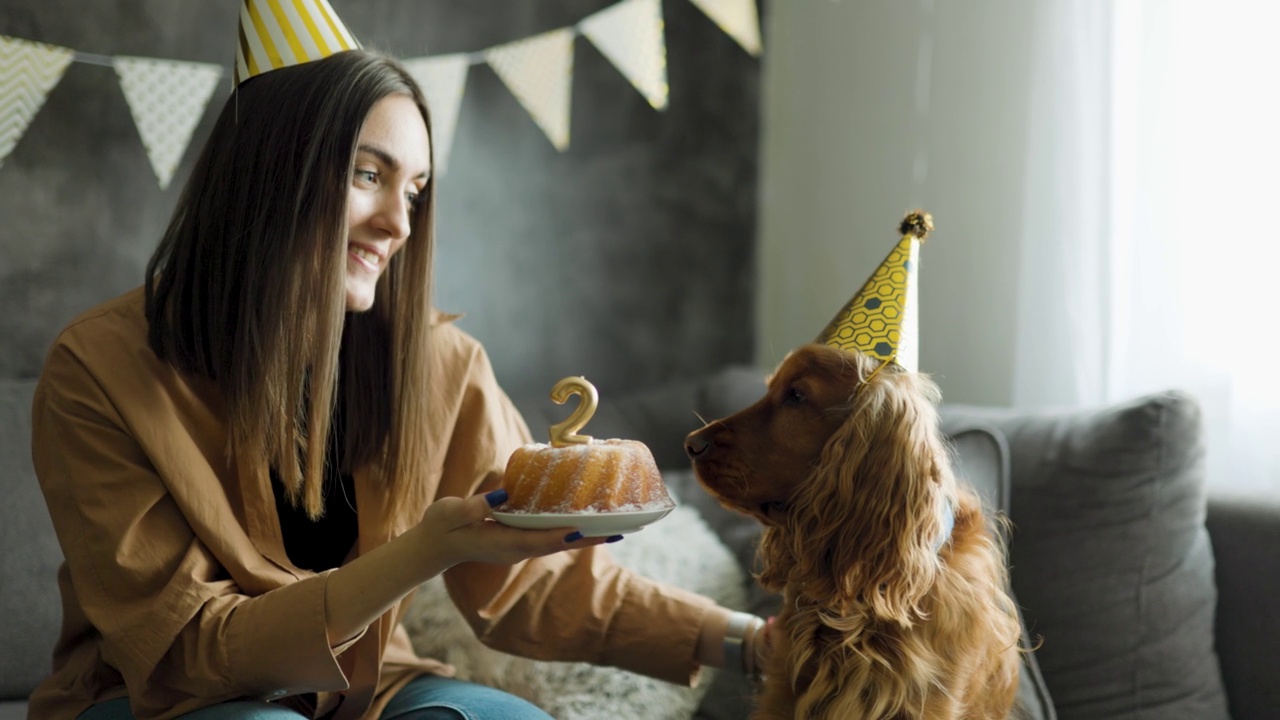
<point>758,646</point>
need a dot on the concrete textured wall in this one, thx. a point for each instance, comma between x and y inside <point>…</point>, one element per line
<point>629,259</point>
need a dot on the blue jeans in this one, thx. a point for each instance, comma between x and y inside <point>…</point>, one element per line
<point>427,698</point>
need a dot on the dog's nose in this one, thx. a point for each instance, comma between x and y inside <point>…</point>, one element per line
<point>695,445</point>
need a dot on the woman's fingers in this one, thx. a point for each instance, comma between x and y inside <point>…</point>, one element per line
<point>451,513</point>
<point>534,543</point>
<point>471,533</point>
<point>763,645</point>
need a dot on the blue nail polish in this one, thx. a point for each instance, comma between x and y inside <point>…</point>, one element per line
<point>571,537</point>
<point>496,497</point>
<point>613,538</point>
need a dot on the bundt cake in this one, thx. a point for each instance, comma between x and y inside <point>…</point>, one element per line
<point>578,474</point>
<point>598,476</point>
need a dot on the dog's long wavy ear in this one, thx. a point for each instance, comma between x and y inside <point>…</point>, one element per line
<point>776,559</point>
<point>863,530</point>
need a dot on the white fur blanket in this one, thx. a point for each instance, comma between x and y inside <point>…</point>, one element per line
<point>679,550</point>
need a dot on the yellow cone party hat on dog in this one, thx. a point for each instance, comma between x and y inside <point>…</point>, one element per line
<point>280,33</point>
<point>883,319</point>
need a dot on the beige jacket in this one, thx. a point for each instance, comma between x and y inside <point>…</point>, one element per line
<point>177,590</point>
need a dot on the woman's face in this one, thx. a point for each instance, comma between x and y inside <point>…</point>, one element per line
<point>393,162</point>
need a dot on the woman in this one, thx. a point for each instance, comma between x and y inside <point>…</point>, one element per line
<point>254,460</point>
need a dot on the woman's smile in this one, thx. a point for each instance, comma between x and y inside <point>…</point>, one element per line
<point>366,258</point>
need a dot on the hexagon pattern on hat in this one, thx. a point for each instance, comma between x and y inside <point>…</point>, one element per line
<point>882,320</point>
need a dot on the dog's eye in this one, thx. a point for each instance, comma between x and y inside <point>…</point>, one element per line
<point>793,397</point>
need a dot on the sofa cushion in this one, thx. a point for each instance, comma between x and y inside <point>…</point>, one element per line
<point>1112,562</point>
<point>982,459</point>
<point>30,556</point>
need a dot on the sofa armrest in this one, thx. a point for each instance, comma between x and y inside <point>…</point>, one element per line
<point>1246,546</point>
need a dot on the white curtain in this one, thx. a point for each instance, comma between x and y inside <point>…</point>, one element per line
<point>1149,257</point>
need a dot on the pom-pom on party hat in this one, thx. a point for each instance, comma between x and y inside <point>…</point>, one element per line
<point>883,319</point>
<point>280,33</point>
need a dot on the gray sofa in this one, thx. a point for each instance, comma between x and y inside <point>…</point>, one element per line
<point>1148,598</point>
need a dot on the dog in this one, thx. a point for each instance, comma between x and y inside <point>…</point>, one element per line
<point>894,580</point>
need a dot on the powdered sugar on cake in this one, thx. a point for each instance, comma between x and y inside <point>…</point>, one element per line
<point>603,476</point>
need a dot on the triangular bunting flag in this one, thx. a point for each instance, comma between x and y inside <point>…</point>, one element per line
<point>738,18</point>
<point>442,80</point>
<point>167,99</point>
<point>28,72</point>
<point>630,35</point>
<point>539,72</point>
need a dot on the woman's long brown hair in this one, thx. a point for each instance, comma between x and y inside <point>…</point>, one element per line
<point>247,287</point>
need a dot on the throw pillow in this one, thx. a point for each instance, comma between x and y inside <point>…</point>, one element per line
<point>1111,558</point>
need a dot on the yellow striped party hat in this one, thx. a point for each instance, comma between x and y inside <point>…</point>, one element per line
<point>883,319</point>
<point>280,33</point>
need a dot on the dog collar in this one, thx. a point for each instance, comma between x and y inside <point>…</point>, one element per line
<point>948,523</point>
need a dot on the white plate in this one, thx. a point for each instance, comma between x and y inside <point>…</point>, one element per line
<point>589,524</point>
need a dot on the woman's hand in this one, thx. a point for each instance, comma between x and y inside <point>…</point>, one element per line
<point>758,648</point>
<point>459,530</point>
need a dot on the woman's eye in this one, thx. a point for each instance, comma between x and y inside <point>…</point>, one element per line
<point>368,176</point>
<point>414,199</point>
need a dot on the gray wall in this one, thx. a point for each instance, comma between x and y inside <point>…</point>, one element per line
<point>874,107</point>
<point>628,259</point>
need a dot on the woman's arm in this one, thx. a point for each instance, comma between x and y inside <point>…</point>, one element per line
<point>578,606</point>
<point>452,531</point>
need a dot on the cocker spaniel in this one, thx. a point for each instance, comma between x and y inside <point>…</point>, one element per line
<point>894,581</point>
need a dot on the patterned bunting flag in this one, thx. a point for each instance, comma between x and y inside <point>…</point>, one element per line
<point>28,72</point>
<point>539,72</point>
<point>630,35</point>
<point>167,99</point>
<point>738,18</point>
<point>442,79</point>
